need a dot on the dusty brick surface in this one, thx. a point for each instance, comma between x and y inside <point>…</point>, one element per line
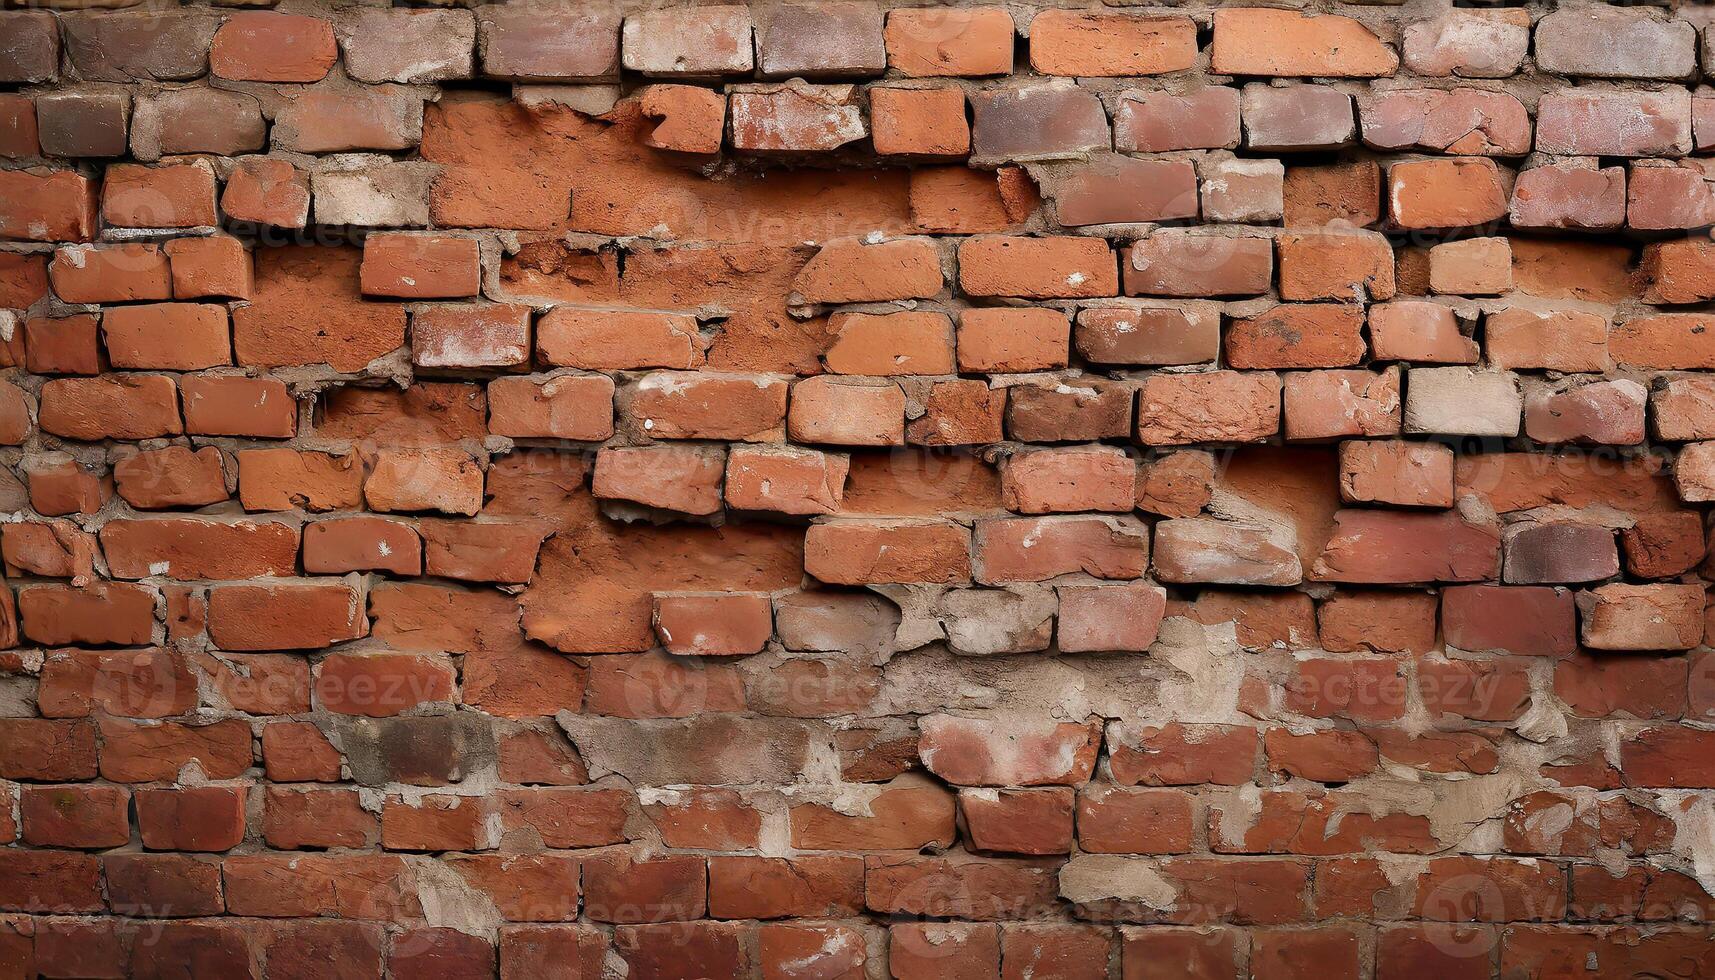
<point>854,489</point>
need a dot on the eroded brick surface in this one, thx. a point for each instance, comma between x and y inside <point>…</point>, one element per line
<point>847,490</point>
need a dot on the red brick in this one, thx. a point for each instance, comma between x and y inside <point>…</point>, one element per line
<point>794,117</point>
<point>60,486</point>
<point>971,42</point>
<point>906,814</point>
<point>435,823</point>
<point>307,310</point>
<point>382,684</point>
<point>1678,271</point>
<point>216,266</point>
<point>168,336</point>
<point>964,751</point>
<point>268,192</point>
<point>285,617</point>
<point>301,885</point>
<point>93,817</point>
<point>420,267</point>
<point>444,480</point>
<point>171,196</point>
<point>163,884</point>
<point>860,552</point>
<point>919,122</point>
<point>50,882</point>
<point>1163,951</point>
<point>1176,263</point>
<point>1456,193</point>
<point>1218,406</point>
<point>1641,617</point>
<point>47,750</point>
<point>222,405</point>
<point>530,44</point>
<point>208,818</point>
<point>710,41</point>
<point>1297,118</point>
<point>55,207</point>
<point>808,886</point>
<point>1593,122</point>
<point>713,625</point>
<point>610,340</point>
<point>1573,196</point>
<point>1282,42</point>
<point>1064,42</point>
<point>1123,189</point>
<point>62,345</point>
<point>847,412</point>
<point>1037,268</point>
<point>98,614</point>
<point>691,119</point>
<point>295,751</point>
<point>534,951</point>
<point>671,405</point>
<point>121,407</point>
<point>440,952</point>
<point>137,753</point>
<point>1105,547</point>
<point>263,46</point>
<point>792,951</point>
<point>624,889</point>
<point>1033,821</point>
<point>107,274</point>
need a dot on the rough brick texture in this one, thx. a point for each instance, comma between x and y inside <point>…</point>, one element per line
<point>857,489</point>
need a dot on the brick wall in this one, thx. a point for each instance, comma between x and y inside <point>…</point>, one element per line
<point>828,490</point>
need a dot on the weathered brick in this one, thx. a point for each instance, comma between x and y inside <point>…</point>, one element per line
<point>860,552</point>
<point>1662,197</point>
<point>1462,401</point>
<point>795,118</point>
<point>1037,268</point>
<point>1574,196</point>
<point>1219,406</point>
<point>1464,121</point>
<point>1615,43</point>
<point>1045,121</point>
<point>83,122</point>
<point>1467,42</point>
<point>1297,335</point>
<point>689,41</point>
<point>1171,263</point>
<point>1611,122</point>
<point>1297,117</point>
<point>1441,547</point>
<point>34,52</point>
<point>839,39</point>
<point>1103,547</point>
<point>1121,189</point>
<point>1197,549</point>
<point>409,46</point>
<point>537,44</point>
<point>1156,122</point>
<point>1402,474</point>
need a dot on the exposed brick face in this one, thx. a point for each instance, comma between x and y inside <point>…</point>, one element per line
<point>856,489</point>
